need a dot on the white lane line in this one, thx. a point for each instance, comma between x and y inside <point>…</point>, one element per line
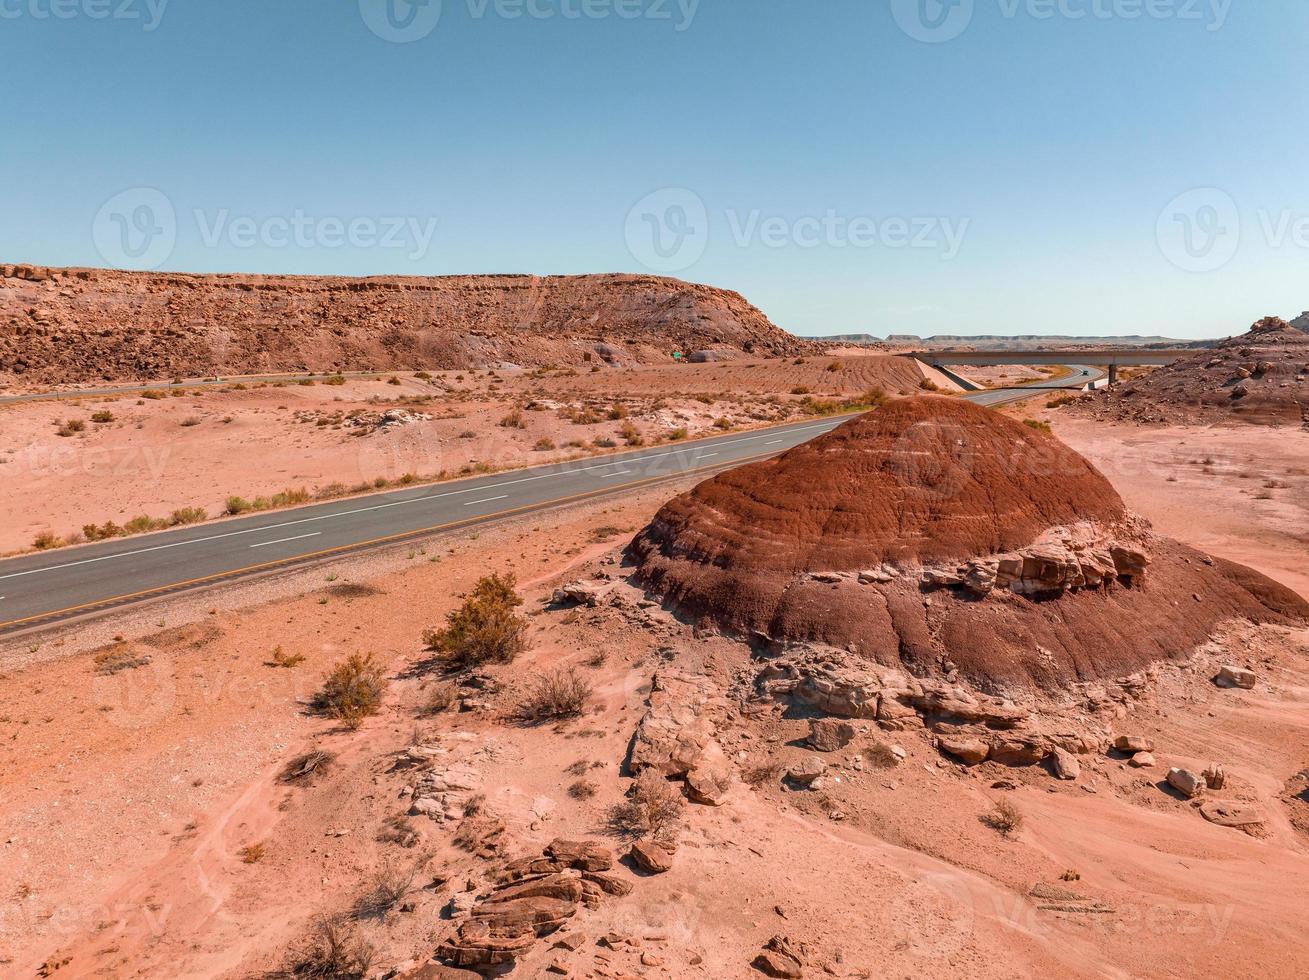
<point>473,503</point>
<point>298,537</point>
<point>605,476</point>
<point>394,503</point>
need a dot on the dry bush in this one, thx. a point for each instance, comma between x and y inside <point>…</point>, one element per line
<point>252,853</point>
<point>583,789</point>
<point>121,657</point>
<point>631,434</point>
<point>879,756</point>
<point>485,629</point>
<point>442,697</point>
<point>1006,818</point>
<point>927,384</point>
<point>514,420</point>
<point>578,768</point>
<point>102,418</point>
<point>398,829</point>
<point>387,889</point>
<point>334,951</point>
<point>756,776</point>
<point>304,769</point>
<point>353,690</point>
<point>554,696</point>
<point>678,434</point>
<point>280,658</point>
<point>544,444</point>
<point>1037,424</point>
<point>653,808</point>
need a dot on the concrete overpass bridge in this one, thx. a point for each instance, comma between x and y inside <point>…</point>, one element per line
<point>1111,358</point>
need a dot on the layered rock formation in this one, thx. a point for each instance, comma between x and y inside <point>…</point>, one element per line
<point>1260,377</point>
<point>84,325</point>
<point>941,539</point>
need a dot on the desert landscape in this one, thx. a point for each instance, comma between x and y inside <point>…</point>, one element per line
<point>944,691</point>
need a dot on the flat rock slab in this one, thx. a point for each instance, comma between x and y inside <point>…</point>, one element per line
<point>1225,814</point>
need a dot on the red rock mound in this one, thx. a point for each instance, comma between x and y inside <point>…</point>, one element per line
<point>82,325</point>
<point>937,535</point>
<point>1260,377</point>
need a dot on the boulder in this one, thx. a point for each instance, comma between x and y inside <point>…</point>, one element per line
<point>583,855</point>
<point>1215,777</point>
<point>1186,782</point>
<point>806,771</point>
<point>969,751</point>
<point>580,593</point>
<point>829,734</point>
<point>781,957</point>
<point>1065,764</point>
<point>1134,743</point>
<point>1019,750</point>
<point>652,856</point>
<point>1239,815</point>
<point>1141,760</point>
<point>709,784</point>
<point>1231,676</point>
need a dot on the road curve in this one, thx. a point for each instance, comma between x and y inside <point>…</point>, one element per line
<point>39,589</point>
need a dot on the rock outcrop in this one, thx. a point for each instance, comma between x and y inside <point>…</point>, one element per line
<point>81,325</point>
<point>937,538</point>
<point>1260,377</point>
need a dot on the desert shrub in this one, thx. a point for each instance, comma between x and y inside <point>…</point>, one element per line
<point>45,541</point>
<point>484,629</point>
<point>190,420</point>
<point>880,756</point>
<point>801,390</point>
<point>335,380</point>
<point>544,444</point>
<point>583,789</point>
<point>678,434</point>
<point>333,951</point>
<point>398,829</point>
<point>653,808</point>
<point>422,376</point>
<point>103,532</point>
<point>756,776</point>
<point>252,853</point>
<point>604,443</point>
<point>101,418</point>
<point>280,658</point>
<point>722,422</point>
<point>304,769</point>
<point>442,697</point>
<point>236,505</point>
<point>120,657</point>
<point>388,887</point>
<point>514,420</point>
<point>554,696</point>
<point>1006,818</point>
<point>631,435</point>
<point>927,384</point>
<point>353,690</point>
<point>393,380</point>
<point>833,367</point>
<point>154,394</point>
<point>1061,401</point>
<point>1036,424</point>
<point>617,412</point>
<point>187,515</point>
<point>144,523</point>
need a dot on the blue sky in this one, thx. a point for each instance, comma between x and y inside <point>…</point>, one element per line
<point>993,166</point>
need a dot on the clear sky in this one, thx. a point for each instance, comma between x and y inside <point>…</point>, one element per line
<point>978,166</point>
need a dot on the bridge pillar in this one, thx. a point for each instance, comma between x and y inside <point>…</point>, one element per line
<point>1113,375</point>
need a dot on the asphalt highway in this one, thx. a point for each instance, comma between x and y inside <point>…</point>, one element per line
<point>47,587</point>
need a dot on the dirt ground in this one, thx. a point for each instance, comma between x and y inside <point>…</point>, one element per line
<point>61,469</point>
<point>131,799</point>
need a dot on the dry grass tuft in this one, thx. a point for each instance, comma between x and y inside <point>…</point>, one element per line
<point>653,808</point>
<point>555,696</point>
<point>334,951</point>
<point>1006,818</point>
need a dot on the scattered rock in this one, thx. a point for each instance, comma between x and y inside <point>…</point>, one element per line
<point>1141,760</point>
<point>1229,676</point>
<point>1065,764</point>
<point>969,751</point>
<point>652,856</point>
<point>1215,777</point>
<point>1239,815</point>
<point>1186,782</point>
<point>806,771</point>
<point>829,734</point>
<point>1134,743</point>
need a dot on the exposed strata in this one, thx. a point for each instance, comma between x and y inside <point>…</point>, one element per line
<point>62,326</point>
<point>942,539</point>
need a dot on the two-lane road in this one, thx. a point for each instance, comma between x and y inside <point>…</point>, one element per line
<point>46,587</point>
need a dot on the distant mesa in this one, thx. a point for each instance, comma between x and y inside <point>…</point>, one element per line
<point>937,536</point>
<point>86,325</point>
<point>1260,377</point>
